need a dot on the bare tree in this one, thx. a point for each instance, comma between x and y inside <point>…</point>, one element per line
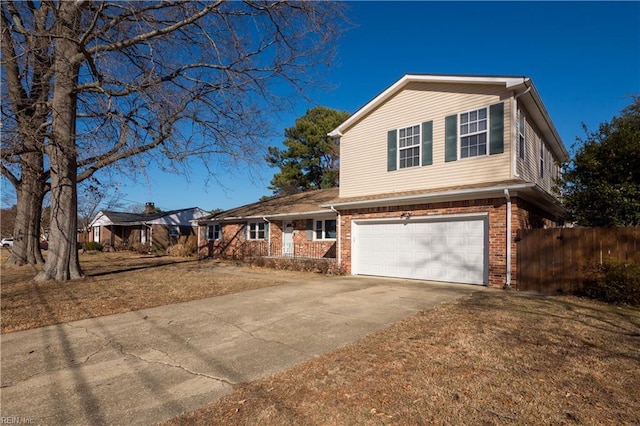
<point>167,81</point>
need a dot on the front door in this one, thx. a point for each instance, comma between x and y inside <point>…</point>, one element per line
<point>287,239</point>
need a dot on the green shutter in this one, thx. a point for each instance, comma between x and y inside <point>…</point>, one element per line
<point>309,229</point>
<point>266,230</point>
<point>427,143</point>
<point>392,150</point>
<point>496,132</point>
<point>245,231</point>
<point>451,138</point>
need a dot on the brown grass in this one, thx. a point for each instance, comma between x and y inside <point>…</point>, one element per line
<point>121,282</point>
<point>491,358</point>
<point>494,357</point>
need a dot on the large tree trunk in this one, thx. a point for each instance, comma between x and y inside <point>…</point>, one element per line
<point>62,260</point>
<point>30,194</point>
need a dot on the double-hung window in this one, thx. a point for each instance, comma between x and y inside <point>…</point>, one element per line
<point>214,231</point>
<point>473,133</point>
<point>521,134</point>
<point>409,146</point>
<point>325,229</point>
<point>257,231</point>
<point>541,158</point>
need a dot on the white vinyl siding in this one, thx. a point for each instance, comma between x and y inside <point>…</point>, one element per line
<point>362,175</point>
<point>539,164</point>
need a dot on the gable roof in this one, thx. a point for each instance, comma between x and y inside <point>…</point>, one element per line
<point>521,86</point>
<point>287,206</point>
<point>131,219</point>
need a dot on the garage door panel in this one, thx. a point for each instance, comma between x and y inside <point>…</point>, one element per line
<point>451,250</point>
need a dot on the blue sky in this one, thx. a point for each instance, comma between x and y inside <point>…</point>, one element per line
<point>583,57</point>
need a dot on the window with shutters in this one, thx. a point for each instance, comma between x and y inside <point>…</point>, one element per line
<point>257,231</point>
<point>214,232</point>
<point>409,146</point>
<point>473,133</point>
<point>325,229</point>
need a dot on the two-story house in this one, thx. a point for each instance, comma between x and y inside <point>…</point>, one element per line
<point>439,173</point>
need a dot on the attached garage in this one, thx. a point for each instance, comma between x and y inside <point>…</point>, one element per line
<point>447,248</point>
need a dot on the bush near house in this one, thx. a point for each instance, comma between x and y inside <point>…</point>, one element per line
<point>93,246</point>
<point>613,281</point>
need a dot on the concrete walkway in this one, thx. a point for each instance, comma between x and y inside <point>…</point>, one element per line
<point>151,365</point>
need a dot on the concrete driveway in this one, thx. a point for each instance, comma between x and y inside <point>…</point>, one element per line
<point>151,365</point>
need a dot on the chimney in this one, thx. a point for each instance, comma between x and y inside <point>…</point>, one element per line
<point>149,208</point>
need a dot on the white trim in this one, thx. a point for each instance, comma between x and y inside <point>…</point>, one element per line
<point>324,231</point>
<point>278,216</point>
<point>419,145</point>
<point>424,218</point>
<point>508,82</point>
<point>485,131</point>
<point>454,193</point>
<point>257,230</point>
<point>483,216</point>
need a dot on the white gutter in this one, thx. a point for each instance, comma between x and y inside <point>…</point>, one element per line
<point>338,236</point>
<point>268,236</point>
<point>271,216</point>
<point>457,192</point>
<point>507,283</point>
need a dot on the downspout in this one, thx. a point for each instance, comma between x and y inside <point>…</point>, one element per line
<point>268,236</point>
<point>338,236</point>
<point>515,131</point>
<point>507,283</point>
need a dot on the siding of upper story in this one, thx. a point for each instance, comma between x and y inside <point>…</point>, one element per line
<point>363,147</point>
<point>529,168</point>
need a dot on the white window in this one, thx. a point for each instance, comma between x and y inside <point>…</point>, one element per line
<point>96,234</point>
<point>325,229</point>
<point>409,146</point>
<point>174,231</point>
<point>521,135</point>
<point>257,231</point>
<point>214,232</point>
<point>473,133</point>
<point>143,236</point>
<point>541,158</point>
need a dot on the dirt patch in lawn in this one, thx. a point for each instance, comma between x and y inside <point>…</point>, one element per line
<point>492,358</point>
<point>121,282</point>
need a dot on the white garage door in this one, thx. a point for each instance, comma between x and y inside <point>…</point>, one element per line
<point>452,250</point>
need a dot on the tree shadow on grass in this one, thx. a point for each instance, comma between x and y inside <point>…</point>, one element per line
<point>117,269</point>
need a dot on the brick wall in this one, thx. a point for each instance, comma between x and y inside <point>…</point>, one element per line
<point>523,215</point>
<point>233,245</point>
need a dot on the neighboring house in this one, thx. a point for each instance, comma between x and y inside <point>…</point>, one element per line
<point>438,176</point>
<point>157,230</point>
<point>287,226</point>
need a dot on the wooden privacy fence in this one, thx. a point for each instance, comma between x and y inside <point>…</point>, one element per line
<point>554,260</point>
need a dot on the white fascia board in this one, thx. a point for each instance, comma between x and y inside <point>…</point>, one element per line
<point>552,131</point>
<point>508,82</point>
<point>100,219</point>
<point>459,193</point>
<point>316,213</point>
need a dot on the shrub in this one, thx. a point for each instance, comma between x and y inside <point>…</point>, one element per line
<point>140,248</point>
<point>613,281</point>
<point>92,246</point>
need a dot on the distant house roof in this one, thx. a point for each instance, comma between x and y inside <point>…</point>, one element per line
<point>287,206</point>
<point>173,217</point>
